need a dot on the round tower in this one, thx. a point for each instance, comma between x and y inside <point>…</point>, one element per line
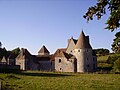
<point>83,54</point>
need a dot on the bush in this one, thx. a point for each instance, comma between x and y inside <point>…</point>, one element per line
<point>104,66</point>
<point>112,59</point>
<point>116,66</point>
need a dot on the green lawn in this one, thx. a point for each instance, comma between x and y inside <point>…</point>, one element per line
<point>35,80</point>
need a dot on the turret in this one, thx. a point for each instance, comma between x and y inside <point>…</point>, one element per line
<point>83,54</point>
<point>71,45</point>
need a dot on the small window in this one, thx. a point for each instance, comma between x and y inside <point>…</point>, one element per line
<point>59,60</point>
<point>87,50</point>
<point>60,68</point>
<point>78,50</point>
<point>94,66</point>
<point>71,50</point>
<point>87,65</point>
<point>87,58</point>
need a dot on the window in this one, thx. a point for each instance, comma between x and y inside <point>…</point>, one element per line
<point>59,60</point>
<point>93,59</point>
<point>87,50</point>
<point>78,50</point>
<point>60,68</point>
<point>94,66</point>
<point>87,58</point>
<point>88,65</point>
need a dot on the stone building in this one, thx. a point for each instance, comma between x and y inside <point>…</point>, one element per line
<point>77,57</point>
<point>26,60</point>
<point>11,60</point>
<point>34,62</point>
<point>44,59</point>
<point>7,64</point>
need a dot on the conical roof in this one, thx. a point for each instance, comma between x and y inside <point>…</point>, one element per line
<point>43,50</point>
<point>82,42</point>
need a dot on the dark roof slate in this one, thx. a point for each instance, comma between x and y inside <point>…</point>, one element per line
<point>58,51</point>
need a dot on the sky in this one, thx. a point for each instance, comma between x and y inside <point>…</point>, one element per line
<point>31,24</point>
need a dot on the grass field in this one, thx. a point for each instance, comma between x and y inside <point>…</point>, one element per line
<point>34,80</point>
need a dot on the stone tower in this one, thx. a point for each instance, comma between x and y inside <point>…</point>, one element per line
<point>83,53</point>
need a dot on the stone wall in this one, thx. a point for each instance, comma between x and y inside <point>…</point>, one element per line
<point>64,65</point>
<point>70,47</point>
<point>21,62</point>
<point>84,60</point>
<point>45,65</point>
<point>9,68</point>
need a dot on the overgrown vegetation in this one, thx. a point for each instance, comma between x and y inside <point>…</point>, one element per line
<point>4,52</point>
<point>35,80</point>
<point>102,52</point>
<point>109,62</point>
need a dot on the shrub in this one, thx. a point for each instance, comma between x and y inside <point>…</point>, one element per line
<point>116,66</point>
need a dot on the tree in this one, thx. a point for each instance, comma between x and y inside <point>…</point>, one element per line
<point>16,51</point>
<point>99,10</point>
<point>116,43</point>
<point>0,45</point>
<point>112,59</point>
<point>102,51</point>
<point>116,66</point>
<point>3,52</point>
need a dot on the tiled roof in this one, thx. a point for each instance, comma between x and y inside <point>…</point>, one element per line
<point>43,50</point>
<point>66,55</point>
<point>82,42</point>
<point>24,53</point>
<point>58,51</point>
<point>62,53</point>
